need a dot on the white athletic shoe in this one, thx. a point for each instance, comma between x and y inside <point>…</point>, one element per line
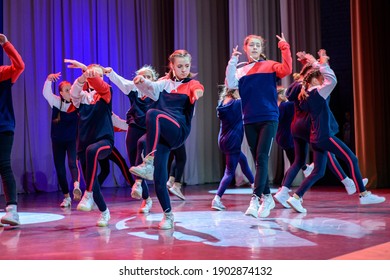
<point>67,202</point>
<point>11,216</point>
<point>267,204</point>
<point>146,205</point>
<point>296,204</point>
<point>370,198</point>
<point>136,190</point>
<point>282,195</point>
<point>76,191</point>
<point>86,202</point>
<point>145,170</point>
<point>217,204</point>
<point>176,190</point>
<point>104,218</point>
<point>167,221</point>
<point>308,170</point>
<point>253,207</point>
<point>349,185</point>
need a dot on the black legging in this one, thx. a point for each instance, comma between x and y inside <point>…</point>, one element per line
<point>61,149</point>
<point>179,161</point>
<point>118,159</point>
<point>7,176</point>
<point>260,137</point>
<point>89,160</point>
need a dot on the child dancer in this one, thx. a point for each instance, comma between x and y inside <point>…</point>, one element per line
<point>8,76</point>
<point>256,83</point>
<point>63,136</point>
<point>317,86</point>
<point>135,119</point>
<point>230,138</point>
<point>168,123</point>
<point>92,96</point>
<point>300,130</point>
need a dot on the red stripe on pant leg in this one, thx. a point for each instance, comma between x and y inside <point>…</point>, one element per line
<point>123,168</point>
<point>95,161</point>
<point>335,166</point>
<point>349,160</point>
<point>157,128</point>
<point>78,170</point>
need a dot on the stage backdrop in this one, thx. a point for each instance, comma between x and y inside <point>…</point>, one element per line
<point>126,34</point>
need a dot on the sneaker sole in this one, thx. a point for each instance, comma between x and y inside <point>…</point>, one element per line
<point>264,214</point>
<point>296,210</point>
<point>10,222</point>
<point>367,203</point>
<point>77,194</point>
<point>218,208</point>
<point>284,204</point>
<point>81,208</point>
<point>177,194</point>
<point>251,214</point>
<point>140,175</point>
<point>136,195</point>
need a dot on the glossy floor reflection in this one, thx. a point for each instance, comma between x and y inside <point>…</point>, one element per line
<point>335,227</point>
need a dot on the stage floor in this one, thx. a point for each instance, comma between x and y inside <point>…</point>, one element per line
<point>335,227</point>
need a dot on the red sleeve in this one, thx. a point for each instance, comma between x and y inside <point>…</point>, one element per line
<point>285,68</point>
<point>16,68</point>
<point>101,87</point>
<point>194,86</point>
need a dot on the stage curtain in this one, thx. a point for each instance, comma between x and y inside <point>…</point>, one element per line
<point>201,27</point>
<point>122,34</point>
<point>370,58</point>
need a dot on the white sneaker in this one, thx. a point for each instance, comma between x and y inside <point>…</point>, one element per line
<point>86,202</point>
<point>167,221</point>
<point>296,204</point>
<point>176,190</point>
<point>67,202</point>
<point>104,218</point>
<point>144,170</point>
<point>282,195</point>
<point>170,182</point>
<point>253,207</point>
<point>76,191</point>
<point>136,190</point>
<point>146,205</point>
<point>369,198</point>
<point>308,170</point>
<point>365,181</point>
<point>11,217</point>
<point>217,204</point>
<point>266,206</point>
<point>349,185</point>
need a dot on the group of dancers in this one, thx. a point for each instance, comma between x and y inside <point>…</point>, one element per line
<point>158,123</point>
